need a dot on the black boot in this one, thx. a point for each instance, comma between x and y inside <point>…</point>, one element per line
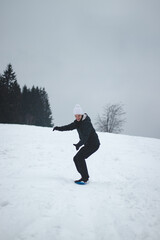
<point>83,180</point>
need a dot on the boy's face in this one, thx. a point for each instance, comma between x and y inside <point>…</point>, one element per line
<point>78,117</point>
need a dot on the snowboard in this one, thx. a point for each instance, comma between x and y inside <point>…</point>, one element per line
<point>81,183</point>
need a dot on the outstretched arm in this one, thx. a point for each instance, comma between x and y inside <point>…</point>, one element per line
<point>68,127</point>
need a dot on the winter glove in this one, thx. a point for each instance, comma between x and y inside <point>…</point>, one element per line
<point>55,128</point>
<point>77,146</point>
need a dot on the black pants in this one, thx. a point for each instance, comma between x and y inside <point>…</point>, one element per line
<point>79,159</point>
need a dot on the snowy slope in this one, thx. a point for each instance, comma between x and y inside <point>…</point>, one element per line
<point>39,201</point>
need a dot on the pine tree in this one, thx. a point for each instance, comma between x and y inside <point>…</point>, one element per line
<point>47,114</point>
<point>25,105</point>
<point>15,103</point>
<point>10,94</point>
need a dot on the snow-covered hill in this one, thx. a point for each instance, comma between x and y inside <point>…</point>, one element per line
<point>39,200</point>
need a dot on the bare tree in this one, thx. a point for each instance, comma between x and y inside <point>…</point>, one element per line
<point>112,119</point>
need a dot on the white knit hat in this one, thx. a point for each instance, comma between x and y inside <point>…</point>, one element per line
<point>78,110</point>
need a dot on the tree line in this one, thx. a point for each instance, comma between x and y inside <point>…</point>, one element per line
<point>27,106</point>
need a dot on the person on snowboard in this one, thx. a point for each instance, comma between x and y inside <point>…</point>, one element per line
<point>88,139</point>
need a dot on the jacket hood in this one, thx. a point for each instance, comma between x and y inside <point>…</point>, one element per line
<point>86,117</point>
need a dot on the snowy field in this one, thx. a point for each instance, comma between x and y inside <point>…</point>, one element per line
<point>40,201</point>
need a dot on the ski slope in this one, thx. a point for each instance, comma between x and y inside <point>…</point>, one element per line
<point>39,200</point>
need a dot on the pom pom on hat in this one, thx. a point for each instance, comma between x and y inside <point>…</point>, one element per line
<point>78,110</point>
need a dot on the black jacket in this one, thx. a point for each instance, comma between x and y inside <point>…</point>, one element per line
<point>87,133</point>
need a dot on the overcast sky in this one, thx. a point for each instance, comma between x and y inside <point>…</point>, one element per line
<point>90,52</point>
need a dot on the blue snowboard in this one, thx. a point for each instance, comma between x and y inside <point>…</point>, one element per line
<point>81,183</point>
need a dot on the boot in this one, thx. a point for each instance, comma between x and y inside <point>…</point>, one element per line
<point>83,180</point>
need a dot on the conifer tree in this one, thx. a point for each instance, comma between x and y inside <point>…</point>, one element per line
<point>47,115</point>
<point>10,96</point>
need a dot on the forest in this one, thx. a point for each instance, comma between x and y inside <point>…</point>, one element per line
<point>23,106</point>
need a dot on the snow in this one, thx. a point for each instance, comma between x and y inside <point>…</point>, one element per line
<point>39,200</point>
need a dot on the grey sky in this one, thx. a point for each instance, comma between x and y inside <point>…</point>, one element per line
<point>87,52</point>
